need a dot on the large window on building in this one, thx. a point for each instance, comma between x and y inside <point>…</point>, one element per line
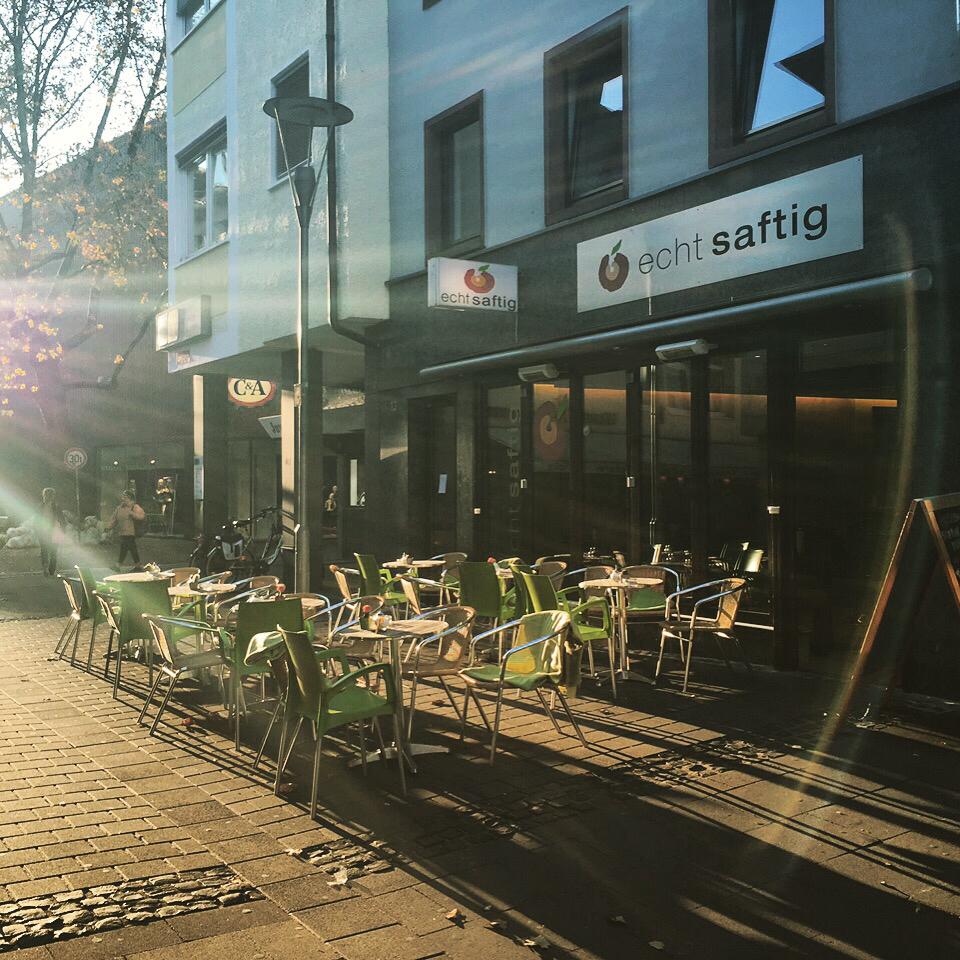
<point>771,72</point>
<point>293,82</point>
<point>585,118</point>
<point>191,12</point>
<point>453,153</point>
<point>205,173</point>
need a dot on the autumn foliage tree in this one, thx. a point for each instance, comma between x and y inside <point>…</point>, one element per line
<point>81,84</point>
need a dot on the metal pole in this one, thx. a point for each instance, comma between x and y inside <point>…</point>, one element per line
<point>305,180</point>
<point>76,482</point>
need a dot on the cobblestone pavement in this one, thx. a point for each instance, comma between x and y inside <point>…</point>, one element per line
<point>721,826</point>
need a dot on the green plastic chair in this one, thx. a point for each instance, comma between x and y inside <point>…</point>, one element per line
<point>535,661</point>
<point>543,596</point>
<point>329,704</point>
<point>373,580</point>
<point>127,625</point>
<point>517,597</point>
<point>253,617</point>
<point>482,590</point>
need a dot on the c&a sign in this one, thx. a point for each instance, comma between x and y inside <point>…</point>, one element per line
<point>247,392</point>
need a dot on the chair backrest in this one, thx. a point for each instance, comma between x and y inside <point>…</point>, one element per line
<point>659,552</point>
<point>554,570</point>
<point>729,604</point>
<point>412,592</point>
<point>75,597</point>
<point>480,588</point>
<point>454,644</point>
<point>138,598</point>
<point>168,650</point>
<point>646,571</point>
<point>598,572</point>
<point>179,575</point>
<point>370,579</point>
<point>522,605</point>
<point>451,565</point>
<point>306,682</point>
<point>541,591</point>
<point>343,584</point>
<point>258,616</point>
<point>544,657</point>
<point>88,584</point>
<point>750,561</point>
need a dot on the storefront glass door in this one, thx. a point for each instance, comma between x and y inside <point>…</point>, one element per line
<point>606,508</point>
<point>847,429</point>
<point>551,528</point>
<point>433,476</point>
<point>501,513</point>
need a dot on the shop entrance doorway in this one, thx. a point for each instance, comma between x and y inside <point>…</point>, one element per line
<point>433,475</point>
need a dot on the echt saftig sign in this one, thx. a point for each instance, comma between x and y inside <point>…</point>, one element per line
<point>471,285</point>
<point>807,217</point>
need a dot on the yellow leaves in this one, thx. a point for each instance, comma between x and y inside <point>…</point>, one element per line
<point>99,326</point>
<point>118,359</point>
<point>40,357</point>
<point>117,181</point>
<point>54,243</point>
<point>30,324</point>
<point>34,389</point>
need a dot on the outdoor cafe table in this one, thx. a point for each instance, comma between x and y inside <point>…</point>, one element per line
<point>140,576</point>
<point>617,589</point>
<point>413,564</point>
<point>396,631</point>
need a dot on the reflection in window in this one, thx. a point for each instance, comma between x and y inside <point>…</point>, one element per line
<point>209,186</point>
<point>502,513</point>
<point>606,507</point>
<point>551,466</point>
<point>780,59</point>
<point>595,124</point>
<point>296,137</point>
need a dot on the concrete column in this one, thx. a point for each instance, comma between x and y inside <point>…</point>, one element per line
<point>210,451</point>
<point>288,466</point>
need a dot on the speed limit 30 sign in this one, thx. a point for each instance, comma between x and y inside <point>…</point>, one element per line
<point>75,458</point>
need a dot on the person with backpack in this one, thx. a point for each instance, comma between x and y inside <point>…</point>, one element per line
<point>127,520</point>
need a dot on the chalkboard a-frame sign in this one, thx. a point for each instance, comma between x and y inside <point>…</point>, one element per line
<point>941,516</point>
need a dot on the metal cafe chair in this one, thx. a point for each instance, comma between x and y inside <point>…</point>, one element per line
<point>79,612</point>
<point>721,598</point>
<point>439,656</point>
<point>173,662</point>
<point>554,569</point>
<point>534,662</point>
<point>181,575</point>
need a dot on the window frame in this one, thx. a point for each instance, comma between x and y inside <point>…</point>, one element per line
<point>302,61</point>
<point>727,142</point>
<point>207,6</point>
<point>437,132</point>
<point>210,143</point>
<point>557,64</point>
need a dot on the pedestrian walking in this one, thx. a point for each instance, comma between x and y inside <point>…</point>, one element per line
<point>49,530</point>
<point>125,520</point>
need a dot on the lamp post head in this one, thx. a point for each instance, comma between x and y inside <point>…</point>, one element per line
<point>307,111</point>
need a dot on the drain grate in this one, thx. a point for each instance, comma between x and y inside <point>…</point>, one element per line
<point>76,913</point>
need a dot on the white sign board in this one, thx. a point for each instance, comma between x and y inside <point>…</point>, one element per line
<point>471,285</point>
<point>807,217</point>
<point>271,426</point>
<point>75,458</point>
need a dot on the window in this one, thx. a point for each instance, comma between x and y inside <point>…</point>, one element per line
<point>191,12</point>
<point>205,167</point>
<point>453,148</point>
<point>295,82</point>
<point>771,72</point>
<point>585,119</point>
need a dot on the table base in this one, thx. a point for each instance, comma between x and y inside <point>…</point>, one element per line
<point>411,750</point>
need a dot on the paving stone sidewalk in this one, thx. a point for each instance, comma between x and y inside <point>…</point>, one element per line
<point>723,826</point>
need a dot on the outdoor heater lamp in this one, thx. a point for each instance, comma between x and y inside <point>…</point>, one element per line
<point>684,349</point>
<point>309,112</point>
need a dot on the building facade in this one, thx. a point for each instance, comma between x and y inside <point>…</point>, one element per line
<point>735,183</point>
<point>233,257</point>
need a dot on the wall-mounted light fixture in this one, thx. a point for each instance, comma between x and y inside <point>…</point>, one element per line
<point>684,349</point>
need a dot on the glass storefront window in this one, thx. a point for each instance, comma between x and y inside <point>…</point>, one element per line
<point>501,457</point>
<point>606,507</point>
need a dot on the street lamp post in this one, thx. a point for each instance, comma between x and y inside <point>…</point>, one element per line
<point>304,112</point>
